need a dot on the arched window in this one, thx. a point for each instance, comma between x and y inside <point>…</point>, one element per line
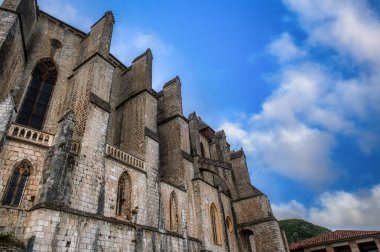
<point>37,97</point>
<point>174,220</point>
<point>230,226</point>
<point>123,205</point>
<point>215,224</point>
<point>16,184</point>
<point>203,150</point>
<point>249,240</point>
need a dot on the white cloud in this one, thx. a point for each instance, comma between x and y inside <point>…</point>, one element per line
<point>338,210</point>
<point>67,13</point>
<point>297,152</point>
<point>349,26</point>
<point>315,102</point>
<point>285,49</point>
<point>290,210</point>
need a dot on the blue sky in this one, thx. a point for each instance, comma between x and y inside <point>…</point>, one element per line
<point>295,82</point>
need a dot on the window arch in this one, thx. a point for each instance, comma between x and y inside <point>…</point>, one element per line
<point>215,224</point>
<point>174,220</point>
<point>203,153</point>
<point>17,183</point>
<point>124,193</point>
<point>33,109</point>
<point>230,226</point>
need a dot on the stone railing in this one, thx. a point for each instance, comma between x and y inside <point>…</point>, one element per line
<point>124,157</point>
<point>30,135</point>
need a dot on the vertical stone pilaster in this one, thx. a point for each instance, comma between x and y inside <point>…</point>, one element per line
<point>354,247</point>
<point>58,166</point>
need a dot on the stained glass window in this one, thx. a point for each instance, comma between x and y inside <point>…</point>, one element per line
<point>37,97</point>
<point>17,184</point>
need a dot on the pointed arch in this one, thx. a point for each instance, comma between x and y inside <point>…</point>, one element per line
<point>17,183</point>
<point>174,219</point>
<point>34,107</point>
<point>203,153</point>
<point>124,195</point>
<point>230,226</point>
<point>215,225</point>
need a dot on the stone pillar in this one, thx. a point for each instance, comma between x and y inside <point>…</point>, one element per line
<point>329,248</point>
<point>99,38</point>
<point>173,133</point>
<point>56,177</point>
<point>377,241</point>
<point>27,11</point>
<point>252,243</point>
<point>354,247</point>
<point>17,19</point>
<point>7,115</point>
<point>139,110</point>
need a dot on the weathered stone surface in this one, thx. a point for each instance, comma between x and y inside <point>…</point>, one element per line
<point>104,121</point>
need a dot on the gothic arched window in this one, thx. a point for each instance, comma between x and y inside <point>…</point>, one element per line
<point>33,110</point>
<point>16,184</point>
<point>203,150</point>
<point>215,225</point>
<point>174,220</point>
<point>123,205</point>
<point>230,226</point>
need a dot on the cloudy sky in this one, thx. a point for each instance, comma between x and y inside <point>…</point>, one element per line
<point>295,82</point>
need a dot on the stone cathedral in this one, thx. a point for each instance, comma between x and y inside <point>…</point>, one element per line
<point>94,159</point>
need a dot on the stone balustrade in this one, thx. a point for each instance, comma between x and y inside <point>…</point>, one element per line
<point>30,135</point>
<point>124,157</point>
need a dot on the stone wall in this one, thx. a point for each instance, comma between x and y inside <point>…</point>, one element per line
<point>244,213</point>
<point>268,237</point>
<point>14,152</point>
<point>11,51</point>
<point>117,110</point>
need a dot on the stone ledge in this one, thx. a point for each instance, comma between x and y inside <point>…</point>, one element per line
<point>187,156</point>
<point>89,58</point>
<point>133,95</point>
<point>163,121</point>
<point>150,133</point>
<point>250,223</point>
<point>100,102</point>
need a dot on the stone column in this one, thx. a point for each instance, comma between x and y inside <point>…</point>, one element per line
<point>377,241</point>
<point>329,248</point>
<point>56,177</point>
<point>354,247</point>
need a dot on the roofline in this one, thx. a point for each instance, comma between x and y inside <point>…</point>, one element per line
<point>82,33</point>
<point>333,241</point>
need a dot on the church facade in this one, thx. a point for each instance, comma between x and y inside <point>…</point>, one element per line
<point>94,159</point>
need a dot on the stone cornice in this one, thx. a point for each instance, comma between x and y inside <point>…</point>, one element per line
<point>150,133</point>
<point>134,95</point>
<point>100,102</point>
<point>163,121</point>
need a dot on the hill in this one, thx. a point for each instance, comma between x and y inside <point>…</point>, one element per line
<point>297,230</point>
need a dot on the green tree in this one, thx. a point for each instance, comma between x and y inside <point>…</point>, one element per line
<point>297,230</point>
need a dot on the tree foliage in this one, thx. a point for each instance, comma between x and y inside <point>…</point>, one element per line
<point>297,230</point>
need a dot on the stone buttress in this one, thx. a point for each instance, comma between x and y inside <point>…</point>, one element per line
<point>113,165</point>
